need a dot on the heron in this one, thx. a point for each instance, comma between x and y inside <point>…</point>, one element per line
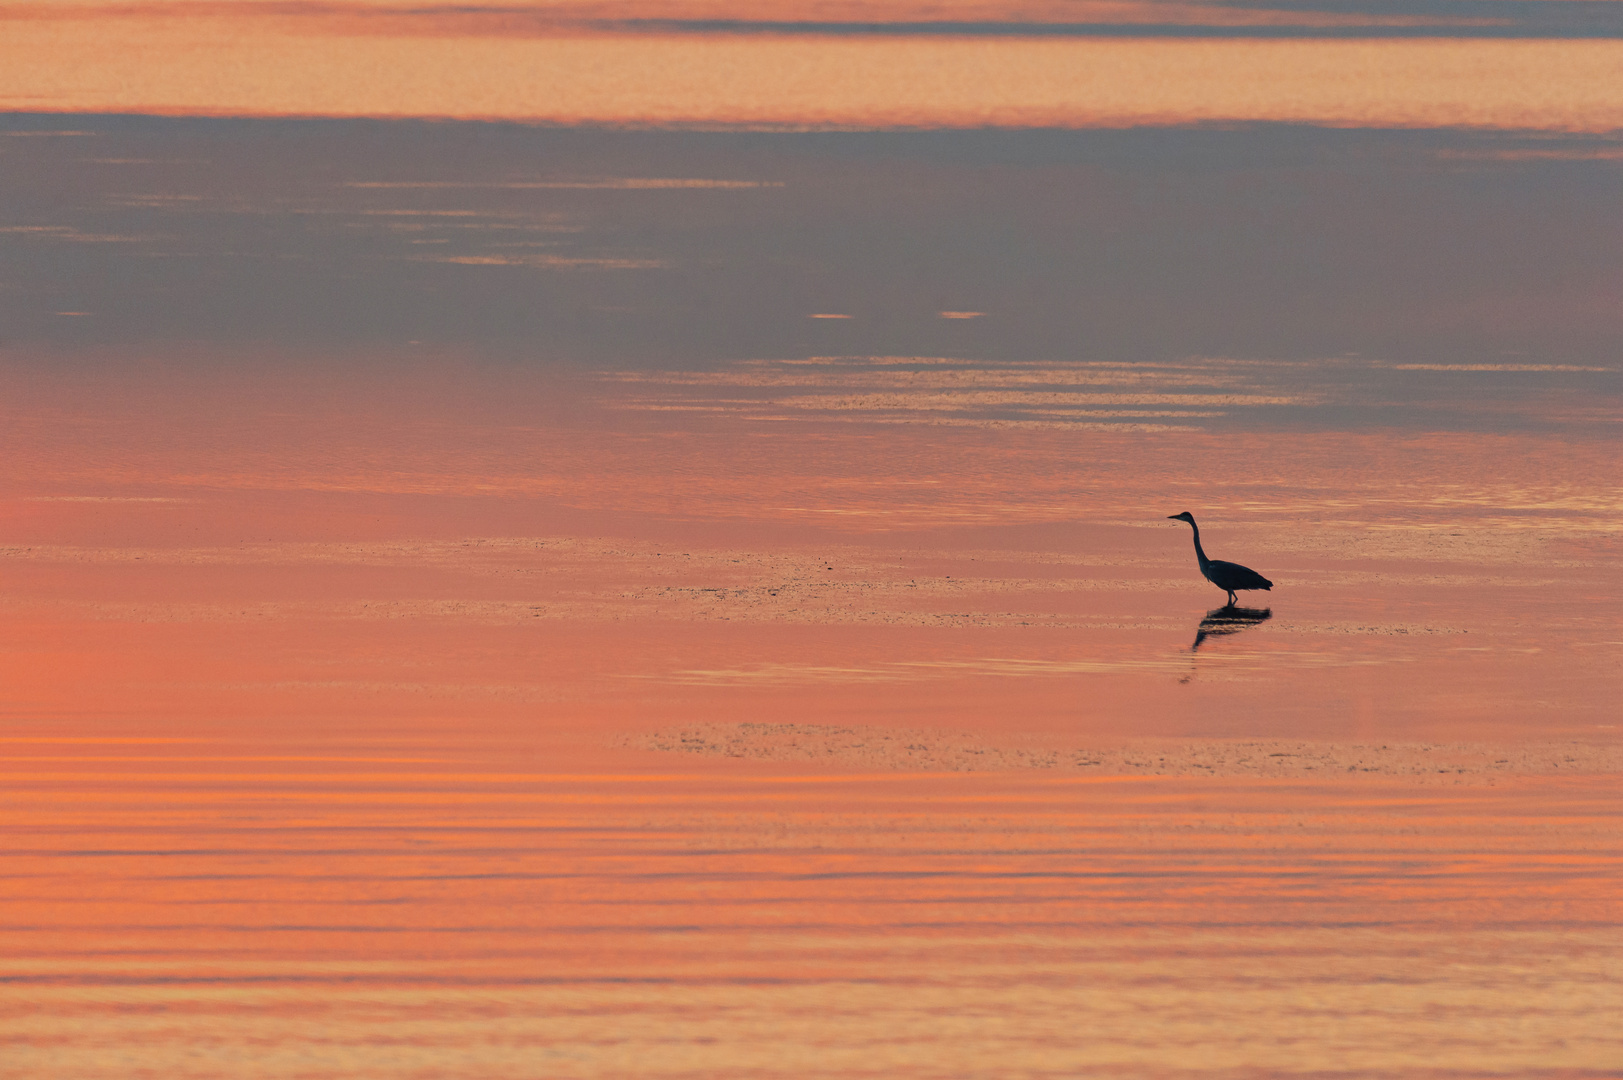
<point>1225,575</point>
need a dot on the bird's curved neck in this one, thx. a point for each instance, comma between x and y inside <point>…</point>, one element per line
<point>1200,553</point>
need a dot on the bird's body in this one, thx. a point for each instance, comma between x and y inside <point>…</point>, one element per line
<point>1230,577</point>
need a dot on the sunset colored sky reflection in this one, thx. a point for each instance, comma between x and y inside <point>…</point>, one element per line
<point>583,540</point>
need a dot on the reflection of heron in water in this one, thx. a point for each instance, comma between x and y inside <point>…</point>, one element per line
<point>1229,620</point>
<point>1225,575</point>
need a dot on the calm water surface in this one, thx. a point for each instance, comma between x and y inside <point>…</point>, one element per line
<point>379,500</point>
<point>323,907</point>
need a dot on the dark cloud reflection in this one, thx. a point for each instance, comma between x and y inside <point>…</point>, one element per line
<point>650,248</point>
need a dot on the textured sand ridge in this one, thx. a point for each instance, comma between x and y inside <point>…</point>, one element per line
<point>932,750</point>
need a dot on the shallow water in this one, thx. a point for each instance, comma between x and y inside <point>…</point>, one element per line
<point>234,905</point>
<point>561,654</point>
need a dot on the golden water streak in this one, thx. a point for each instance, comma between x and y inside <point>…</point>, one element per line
<point>265,66</point>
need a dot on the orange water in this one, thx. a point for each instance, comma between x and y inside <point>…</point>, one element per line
<point>333,675</point>
<point>246,63</point>
<point>316,904</point>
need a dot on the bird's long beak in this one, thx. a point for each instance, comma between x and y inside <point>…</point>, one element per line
<point>1172,517</point>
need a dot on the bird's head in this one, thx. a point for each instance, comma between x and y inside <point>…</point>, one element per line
<point>1185,516</point>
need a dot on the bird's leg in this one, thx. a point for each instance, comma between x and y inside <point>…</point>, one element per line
<point>1232,598</point>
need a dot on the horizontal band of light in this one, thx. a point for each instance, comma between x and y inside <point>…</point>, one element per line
<point>210,67</point>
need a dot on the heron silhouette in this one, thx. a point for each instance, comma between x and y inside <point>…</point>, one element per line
<point>1230,577</point>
